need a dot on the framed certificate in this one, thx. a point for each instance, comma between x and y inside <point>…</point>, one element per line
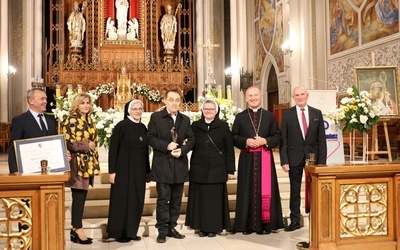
<point>29,153</point>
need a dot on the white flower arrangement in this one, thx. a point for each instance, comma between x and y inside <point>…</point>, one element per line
<point>355,112</point>
<point>106,89</point>
<point>144,90</point>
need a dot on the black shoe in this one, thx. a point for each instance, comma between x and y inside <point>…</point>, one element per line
<point>211,234</point>
<point>75,238</point>
<point>161,238</point>
<point>136,238</point>
<point>175,234</point>
<point>123,240</point>
<point>292,227</point>
<point>303,245</point>
<point>247,232</point>
<point>265,231</point>
<point>203,234</point>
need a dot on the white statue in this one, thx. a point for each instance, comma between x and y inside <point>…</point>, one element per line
<point>111,31</point>
<point>77,25</point>
<point>122,15</point>
<point>168,28</point>
<point>133,28</point>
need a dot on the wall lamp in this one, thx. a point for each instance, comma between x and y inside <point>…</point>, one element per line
<point>286,48</point>
<point>246,80</point>
<point>11,71</point>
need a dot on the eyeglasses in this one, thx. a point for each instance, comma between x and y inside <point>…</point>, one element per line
<point>208,109</point>
<point>137,109</point>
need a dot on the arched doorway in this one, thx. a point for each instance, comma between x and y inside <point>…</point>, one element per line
<point>272,88</point>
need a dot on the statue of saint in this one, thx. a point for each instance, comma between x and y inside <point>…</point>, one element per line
<point>76,25</point>
<point>122,7</point>
<point>133,29</point>
<point>111,31</point>
<point>168,28</point>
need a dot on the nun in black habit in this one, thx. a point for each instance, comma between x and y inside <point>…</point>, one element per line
<point>128,166</point>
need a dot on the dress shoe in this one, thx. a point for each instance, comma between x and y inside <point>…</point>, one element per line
<point>203,234</point>
<point>247,232</point>
<point>122,240</point>
<point>303,245</point>
<point>265,231</point>
<point>74,237</point>
<point>161,238</point>
<point>136,238</point>
<point>211,234</point>
<point>292,227</point>
<point>175,234</point>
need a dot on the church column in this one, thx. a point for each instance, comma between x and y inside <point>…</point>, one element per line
<point>4,61</point>
<point>201,72</point>
<point>301,44</point>
<point>239,36</point>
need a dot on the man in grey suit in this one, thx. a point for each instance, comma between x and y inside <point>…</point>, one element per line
<point>303,132</point>
<point>33,123</point>
<point>171,137</point>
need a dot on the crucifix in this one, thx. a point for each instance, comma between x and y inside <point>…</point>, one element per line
<point>209,46</point>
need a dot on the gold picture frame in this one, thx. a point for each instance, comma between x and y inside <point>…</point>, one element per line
<point>381,83</point>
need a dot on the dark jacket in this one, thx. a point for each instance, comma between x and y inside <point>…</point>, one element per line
<point>207,165</point>
<point>294,149</point>
<point>165,167</point>
<point>25,126</point>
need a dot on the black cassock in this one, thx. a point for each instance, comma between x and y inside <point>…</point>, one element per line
<point>249,124</point>
<point>129,159</point>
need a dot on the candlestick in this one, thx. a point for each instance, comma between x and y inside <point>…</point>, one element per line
<point>228,93</point>
<point>79,88</point>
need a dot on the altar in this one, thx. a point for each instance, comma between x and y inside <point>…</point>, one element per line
<point>355,206</point>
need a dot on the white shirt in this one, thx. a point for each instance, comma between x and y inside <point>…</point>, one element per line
<point>35,114</point>
<point>298,109</point>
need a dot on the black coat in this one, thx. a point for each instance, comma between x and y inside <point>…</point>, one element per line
<point>294,149</point>
<point>165,167</point>
<point>25,126</point>
<point>207,165</point>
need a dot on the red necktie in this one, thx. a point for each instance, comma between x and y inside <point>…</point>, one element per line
<point>304,121</point>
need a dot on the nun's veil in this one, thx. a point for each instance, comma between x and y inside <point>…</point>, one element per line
<point>129,104</point>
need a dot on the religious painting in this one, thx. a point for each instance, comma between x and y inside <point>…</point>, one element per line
<point>381,83</point>
<point>379,18</point>
<point>267,22</point>
<point>276,50</point>
<point>260,54</point>
<point>343,26</point>
<point>122,22</point>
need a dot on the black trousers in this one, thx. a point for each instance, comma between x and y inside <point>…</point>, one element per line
<point>78,204</point>
<point>295,176</point>
<point>168,205</point>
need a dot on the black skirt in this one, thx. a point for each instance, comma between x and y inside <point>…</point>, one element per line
<point>208,207</point>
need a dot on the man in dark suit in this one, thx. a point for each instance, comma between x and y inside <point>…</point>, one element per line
<point>303,132</point>
<point>171,137</point>
<point>33,123</point>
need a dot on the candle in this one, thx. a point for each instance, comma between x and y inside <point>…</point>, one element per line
<point>58,94</point>
<point>219,92</point>
<point>79,88</point>
<point>373,59</point>
<point>69,88</point>
<point>228,93</point>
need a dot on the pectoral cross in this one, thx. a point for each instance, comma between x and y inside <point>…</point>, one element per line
<point>209,46</point>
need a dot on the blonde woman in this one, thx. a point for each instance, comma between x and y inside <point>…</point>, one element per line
<point>81,136</point>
